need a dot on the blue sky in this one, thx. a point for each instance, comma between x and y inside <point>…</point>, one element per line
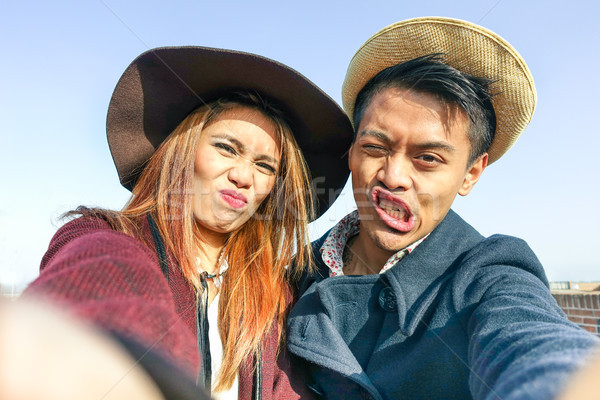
<point>62,59</point>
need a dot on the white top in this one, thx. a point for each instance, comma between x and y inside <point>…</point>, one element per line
<point>216,345</point>
<point>216,352</point>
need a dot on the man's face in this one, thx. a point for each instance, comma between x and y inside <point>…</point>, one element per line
<point>408,162</point>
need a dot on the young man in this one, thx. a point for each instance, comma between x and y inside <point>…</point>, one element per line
<point>432,309</point>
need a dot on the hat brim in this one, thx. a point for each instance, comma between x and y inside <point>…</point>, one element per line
<point>162,86</point>
<point>467,47</point>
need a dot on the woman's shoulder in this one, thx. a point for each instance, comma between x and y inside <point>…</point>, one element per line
<point>82,225</point>
<point>87,220</point>
<point>90,233</point>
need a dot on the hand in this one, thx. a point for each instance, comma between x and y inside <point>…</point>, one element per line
<point>585,384</point>
<point>45,354</point>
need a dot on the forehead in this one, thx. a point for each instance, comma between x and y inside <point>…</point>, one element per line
<point>413,112</point>
<point>246,122</point>
<point>246,114</point>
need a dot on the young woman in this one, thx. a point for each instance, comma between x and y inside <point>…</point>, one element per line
<point>194,268</point>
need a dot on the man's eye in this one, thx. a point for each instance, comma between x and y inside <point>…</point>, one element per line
<point>225,147</point>
<point>429,159</point>
<point>374,150</point>
<point>266,168</point>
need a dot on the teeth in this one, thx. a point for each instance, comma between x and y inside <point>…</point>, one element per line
<point>392,209</point>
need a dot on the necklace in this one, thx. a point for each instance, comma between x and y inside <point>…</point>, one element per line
<point>221,267</point>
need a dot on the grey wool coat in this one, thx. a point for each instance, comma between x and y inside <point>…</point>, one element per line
<point>461,317</point>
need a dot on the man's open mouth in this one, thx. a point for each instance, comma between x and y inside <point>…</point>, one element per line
<point>392,210</point>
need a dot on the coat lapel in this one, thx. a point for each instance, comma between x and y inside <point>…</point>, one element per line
<point>416,279</point>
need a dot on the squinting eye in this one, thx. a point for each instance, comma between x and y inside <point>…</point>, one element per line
<point>225,147</point>
<point>266,168</point>
<point>374,150</point>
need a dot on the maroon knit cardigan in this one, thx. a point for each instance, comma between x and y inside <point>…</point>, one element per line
<point>115,281</point>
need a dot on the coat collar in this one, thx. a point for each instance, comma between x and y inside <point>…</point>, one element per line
<point>422,267</point>
<point>414,282</point>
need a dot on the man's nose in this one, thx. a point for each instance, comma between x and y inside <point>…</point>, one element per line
<point>396,173</point>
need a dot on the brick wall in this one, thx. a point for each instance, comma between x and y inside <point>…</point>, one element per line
<point>581,308</point>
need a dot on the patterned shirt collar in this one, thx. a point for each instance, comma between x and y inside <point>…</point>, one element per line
<point>333,246</point>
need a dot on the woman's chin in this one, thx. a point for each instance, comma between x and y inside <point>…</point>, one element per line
<point>221,226</point>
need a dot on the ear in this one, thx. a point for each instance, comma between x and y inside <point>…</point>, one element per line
<point>350,156</point>
<point>473,174</point>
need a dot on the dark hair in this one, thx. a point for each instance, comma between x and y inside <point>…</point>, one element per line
<point>251,99</point>
<point>429,74</point>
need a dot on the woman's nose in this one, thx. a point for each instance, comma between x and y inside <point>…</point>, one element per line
<point>241,174</point>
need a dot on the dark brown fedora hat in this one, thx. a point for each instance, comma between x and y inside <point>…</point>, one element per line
<point>163,85</point>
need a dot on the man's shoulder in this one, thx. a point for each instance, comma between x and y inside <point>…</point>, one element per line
<point>497,249</point>
<point>485,259</point>
<point>455,233</point>
<point>498,252</point>
<point>455,246</point>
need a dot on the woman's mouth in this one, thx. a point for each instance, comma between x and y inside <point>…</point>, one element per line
<point>392,210</point>
<point>233,198</point>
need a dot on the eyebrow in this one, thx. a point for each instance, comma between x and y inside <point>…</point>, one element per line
<point>244,149</point>
<point>439,145</point>
<point>436,145</point>
<point>376,134</point>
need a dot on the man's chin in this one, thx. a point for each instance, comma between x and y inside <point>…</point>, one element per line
<point>392,241</point>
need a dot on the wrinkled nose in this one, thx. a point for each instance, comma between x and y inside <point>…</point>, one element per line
<point>241,175</point>
<point>395,174</point>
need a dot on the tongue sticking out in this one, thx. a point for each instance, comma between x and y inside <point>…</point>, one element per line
<point>393,210</point>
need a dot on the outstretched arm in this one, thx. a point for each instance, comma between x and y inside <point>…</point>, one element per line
<point>522,345</point>
<point>114,281</point>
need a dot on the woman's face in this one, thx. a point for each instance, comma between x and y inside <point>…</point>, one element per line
<point>236,165</point>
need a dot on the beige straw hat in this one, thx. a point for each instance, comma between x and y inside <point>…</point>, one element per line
<point>467,47</point>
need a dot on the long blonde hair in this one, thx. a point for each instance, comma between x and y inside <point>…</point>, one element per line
<point>255,290</point>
